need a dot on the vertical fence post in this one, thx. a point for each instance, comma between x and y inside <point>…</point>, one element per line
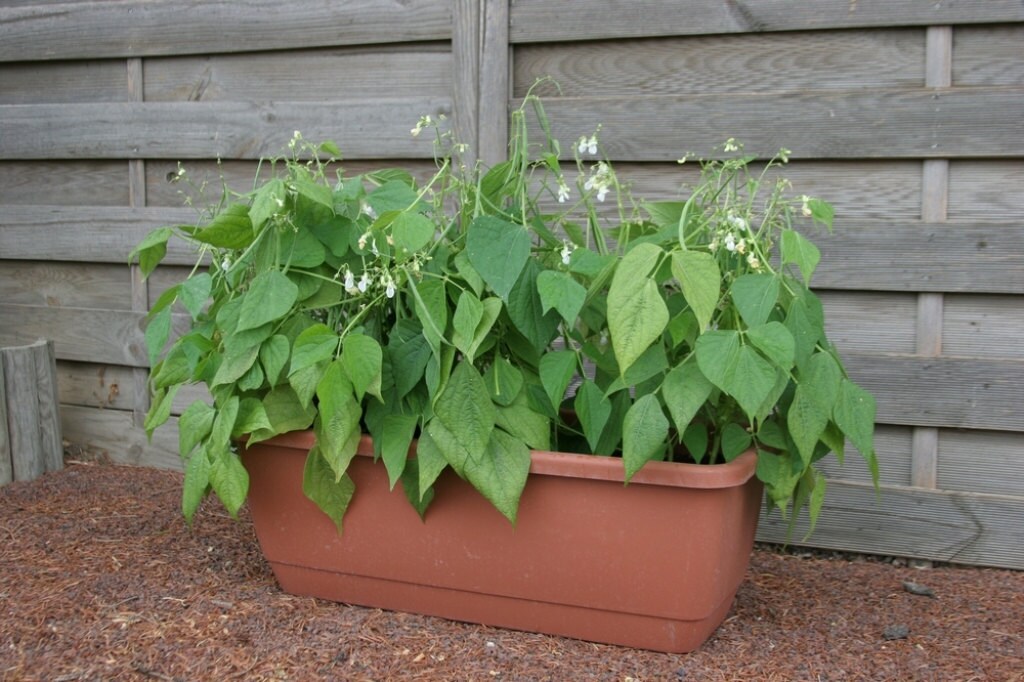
<point>30,439</point>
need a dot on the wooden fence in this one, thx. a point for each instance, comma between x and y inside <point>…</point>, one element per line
<point>908,115</point>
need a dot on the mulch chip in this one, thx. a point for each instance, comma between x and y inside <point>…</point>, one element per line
<point>101,579</point>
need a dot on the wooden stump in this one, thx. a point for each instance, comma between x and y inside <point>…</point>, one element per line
<point>30,436</point>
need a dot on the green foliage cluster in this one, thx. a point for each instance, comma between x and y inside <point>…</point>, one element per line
<point>485,314</point>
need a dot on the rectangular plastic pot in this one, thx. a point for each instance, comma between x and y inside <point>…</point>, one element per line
<point>654,564</point>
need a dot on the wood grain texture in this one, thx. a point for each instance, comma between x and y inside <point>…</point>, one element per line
<point>495,86</point>
<point>869,322</point>
<point>50,438</point>
<point>112,434</point>
<point>408,71</point>
<point>63,182</point>
<point>63,284</point>
<point>89,335</point>
<point>986,190</point>
<point>988,55</point>
<point>239,130</point>
<point>87,234</point>
<point>892,445</point>
<point>740,63</point>
<point>931,257</point>
<point>545,21</point>
<point>983,326</point>
<point>972,393</point>
<point>22,398</point>
<point>88,384</point>
<point>135,28</point>
<point>981,461</point>
<point>865,123</point>
<point>957,527</point>
<point>66,81</point>
<point>467,48</point>
<point>6,464</point>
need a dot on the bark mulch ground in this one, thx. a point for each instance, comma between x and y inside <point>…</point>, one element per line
<point>100,579</point>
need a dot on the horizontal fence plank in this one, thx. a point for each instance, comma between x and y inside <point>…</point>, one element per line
<point>757,62</point>
<point>374,129</point>
<point>75,285</point>
<point>540,21</point>
<point>87,234</point>
<point>84,334</point>
<point>111,434</point>
<point>986,530</point>
<point>867,123</point>
<point>983,326</point>
<point>973,393</point>
<point>85,81</point>
<point>87,384</point>
<point>940,257</point>
<point>870,322</point>
<point>981,462</point>
<point>988,55</point>
<point>986,190</point>
<point>420,70</point>
<point>64,183</point>
<point>136,28</point>
<point>892,445</point>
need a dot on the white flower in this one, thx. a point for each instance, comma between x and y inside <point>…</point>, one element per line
<point>602,193</point>
<point>373,247</point>
<point>367,210</point>
<point>363,239</point>
<point>730,242</point>
<point>806,208</point>
<point>563,191</point>
<point>599,180</point>
<point>389,286</point>
<point>731,145</point>
<point>587,145</point>
<point>364,283</point>
<point>566,252</point>
<point>737,222</point>
<point>225,264</point>
<point>350,283</point>
<point>741,246</point>
<point>754,262</point>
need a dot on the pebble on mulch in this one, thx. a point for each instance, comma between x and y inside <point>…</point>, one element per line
<point>101,579</point>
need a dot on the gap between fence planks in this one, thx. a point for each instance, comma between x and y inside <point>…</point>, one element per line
<point>30,432</point>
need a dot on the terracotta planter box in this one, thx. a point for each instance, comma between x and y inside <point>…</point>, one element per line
<point>653,565</point>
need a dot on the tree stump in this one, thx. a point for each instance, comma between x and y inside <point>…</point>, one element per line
<point>30,436</point>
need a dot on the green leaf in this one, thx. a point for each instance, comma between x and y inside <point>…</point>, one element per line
<point>466,272</point>
<point>362,358</point>
<point>236,363</point>
<point>194,292</point>
<point>314,191</point>
<point>560,291</point>
<point>776,471</point>
<point>409,352</point>
<point>465,410</point>
<point>556,371</point>
<point>194,425</point>
<point>644,432</point>
<point>854,413</point>
<point>224,422</point>
<point>799,251</point>
<point>419,498</point>
<point>286,412</point>
<point>396,437</point>
<point>501,472</point>
<point>695,440</point>
<point>432,310</point>
<point>776,342</point>
<point>593,409</point>
<point>820,377</point>
<point>504,381</point>
<point>411,232</point>
<point>468,313</point>
<point>393,195</point>
<point>300,249</point>
<point>175,368</point>
<point>650,364</point>
<point>229,229</point>
<point>337,429</point>
<point>197,481</point>
<point>315,344</point>
<point>735,440</point>
<point>816,502</point>
<point>151,250</point>
<point>252,416</point>
<point>701,282</point>
<point>270,296</point>
<point>305,380</point>
<point>822,212</point>
<point>806,421</point>
<point>158,330</point>
<point>230,480</point>
<point>527,312</point>
<point>736,369</point>
<point>755,296</point>
<point>431,462</point>
<point>319,484</point>
<point>266,202</point>
<point>160,411</point>
<point>637,314</point>
<point>498,250</point>
<point>685,389</point>
<point>274,355</point>
<point>519,420</point>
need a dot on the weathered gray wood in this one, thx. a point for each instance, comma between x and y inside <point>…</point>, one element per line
<point>741,63</point>
<point>972,393</point>
<point>375,129</point>
<point>51,442</point>
<point>421,70</point>
<point>76,285</point>
<point>139,286</point>
<point>988,55</point>
<point>106,336</point>
<point>869,322</point>
<point>33,419</point>
<point>543,21</point>
<point>90,234</point>
<point>65,183</point>
<point>116,28</point>
<point>867,123</point>
<point>892,443</point>
<point>86,81</point>
<point>6,464</point>
<point>112,433</point>
<point>983,326</point>
<point>467,44</point>
<point>495,86</point>
<point>87,384</point>
<point>937,257</point>
<point>981,462</point>
<point>928,524</point>
<point>986,190</point>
